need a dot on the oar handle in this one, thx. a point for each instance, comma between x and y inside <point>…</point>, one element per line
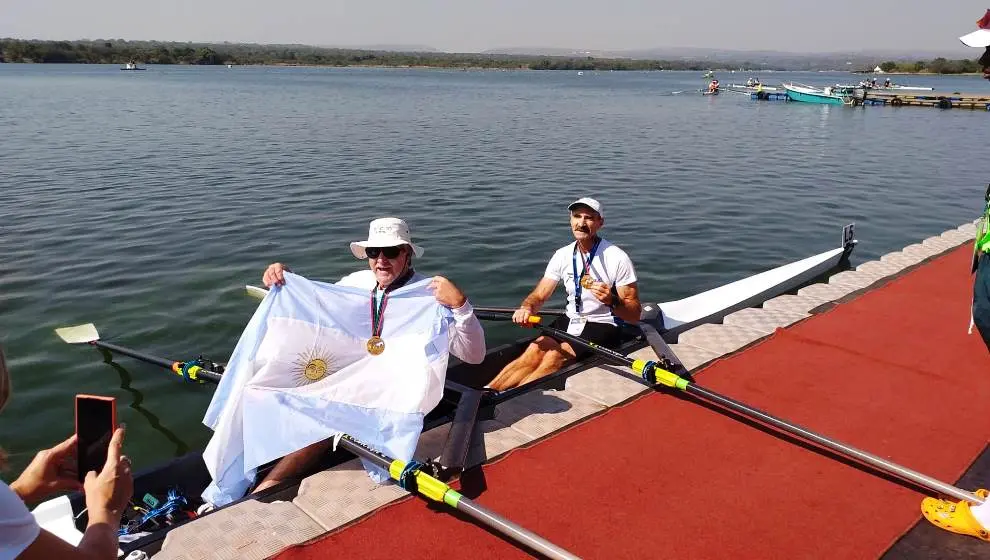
<point>511,310</point>
<point>492,316</point>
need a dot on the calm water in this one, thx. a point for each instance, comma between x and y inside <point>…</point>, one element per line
<point>144,201</point>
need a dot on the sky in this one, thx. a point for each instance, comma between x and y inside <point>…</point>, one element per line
<point>477,25</point>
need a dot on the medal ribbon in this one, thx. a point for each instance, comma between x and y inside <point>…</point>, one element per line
<point>378,311</point>
<point>585,270</point>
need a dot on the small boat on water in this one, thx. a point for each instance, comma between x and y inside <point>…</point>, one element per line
<point>753,88</point>
<point>908,88</point>
<point>829,95</point>
<point>466,402</point>
<point>131,66</point>
<point>887,85</point>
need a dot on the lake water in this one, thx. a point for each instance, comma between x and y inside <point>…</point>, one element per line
<point>144,201</point>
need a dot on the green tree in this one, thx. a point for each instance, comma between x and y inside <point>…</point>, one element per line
<point>206,55</point>
<point>888,66</point>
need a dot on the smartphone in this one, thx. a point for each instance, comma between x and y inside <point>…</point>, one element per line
<point>96,419</point>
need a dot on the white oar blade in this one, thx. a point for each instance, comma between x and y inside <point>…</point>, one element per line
<point>255,291</point>
<point>80,334</point>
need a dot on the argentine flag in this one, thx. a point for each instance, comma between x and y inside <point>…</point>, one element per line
<point>301,373</point>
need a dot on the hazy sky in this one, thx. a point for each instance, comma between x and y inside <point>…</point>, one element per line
<point>475,25</point>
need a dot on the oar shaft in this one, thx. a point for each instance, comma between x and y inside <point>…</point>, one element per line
<point>197,372</point>
<point>463,504</point>
<point>511,310</point>
<point>134,354</point>
<point>837,446</point>
<point>513,531</point>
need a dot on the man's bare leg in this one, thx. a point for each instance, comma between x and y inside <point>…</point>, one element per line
<point>293,464</point>
<point>521,366</point>
<point>513,374</point>
<point>552,361</point>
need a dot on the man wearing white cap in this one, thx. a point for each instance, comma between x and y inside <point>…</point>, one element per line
<point>389,251</point>
<point>601,287</point>
<point>963,517</point>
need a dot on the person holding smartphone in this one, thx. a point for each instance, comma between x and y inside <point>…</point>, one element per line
<point>53,471</point>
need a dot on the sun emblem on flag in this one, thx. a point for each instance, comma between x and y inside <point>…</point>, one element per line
<point>312,365</point>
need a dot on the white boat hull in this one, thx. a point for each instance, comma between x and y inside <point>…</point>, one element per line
<point>713,305</point>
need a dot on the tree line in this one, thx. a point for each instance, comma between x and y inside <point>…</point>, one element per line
<point>156,52</point>
<point>935,66</point>
<point>151,52</point>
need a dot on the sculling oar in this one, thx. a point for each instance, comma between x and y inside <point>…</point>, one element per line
<point>511,310</point>
<point>193,370</point>
<point>653,374</point>
<point>260,293</point>
<point>409,475</point>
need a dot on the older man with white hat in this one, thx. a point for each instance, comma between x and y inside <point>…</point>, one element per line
<point>601,290</point>
<point>389,251</point>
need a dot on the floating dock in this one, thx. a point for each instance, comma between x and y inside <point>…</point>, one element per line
<point>933,100</point>
<point>878,357</point>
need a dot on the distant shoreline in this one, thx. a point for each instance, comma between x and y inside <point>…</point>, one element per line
<point>520,68</point>
<point>245,54</point>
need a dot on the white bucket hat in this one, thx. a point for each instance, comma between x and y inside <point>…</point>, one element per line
<point>590,203</point>
<point>980,37</point>
<point>385,232</point>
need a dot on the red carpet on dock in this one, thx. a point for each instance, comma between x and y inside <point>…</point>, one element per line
<point>892,372</point>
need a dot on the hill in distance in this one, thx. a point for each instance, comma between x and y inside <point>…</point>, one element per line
<point>756,58</point>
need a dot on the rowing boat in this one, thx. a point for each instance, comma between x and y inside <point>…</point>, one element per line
<point>743,88</point>
<point>465,402</point>
<point>837,95</point>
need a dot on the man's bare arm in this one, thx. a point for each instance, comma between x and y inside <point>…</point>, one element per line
<point>627,307</point>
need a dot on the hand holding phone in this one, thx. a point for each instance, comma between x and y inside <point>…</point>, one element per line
<point>50,472</point>
<point>109,488</point>
<point>96,420</point>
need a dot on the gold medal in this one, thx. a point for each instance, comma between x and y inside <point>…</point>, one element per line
<point>376,345</point>
<point>587,282</point>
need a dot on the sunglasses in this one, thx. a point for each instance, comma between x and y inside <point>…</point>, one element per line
<point>388,252</point>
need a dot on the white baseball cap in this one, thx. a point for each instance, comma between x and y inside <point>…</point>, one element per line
<point>980,37</point>
<point>590,203</point>
<point>385,232</point>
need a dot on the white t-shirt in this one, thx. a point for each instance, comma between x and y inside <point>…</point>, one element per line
<point>18,529</point>
<point>467,337</point>
<point>610,265</point>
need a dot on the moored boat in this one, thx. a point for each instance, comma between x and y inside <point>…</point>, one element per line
<point>909,88</point>
<point>753,89</point>
<point>465,401</point>
<point>830,95</point>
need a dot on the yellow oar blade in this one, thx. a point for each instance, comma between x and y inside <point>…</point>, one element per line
<point>80,334</point>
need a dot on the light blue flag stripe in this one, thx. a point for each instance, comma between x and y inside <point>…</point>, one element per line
<point>301,373</point>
